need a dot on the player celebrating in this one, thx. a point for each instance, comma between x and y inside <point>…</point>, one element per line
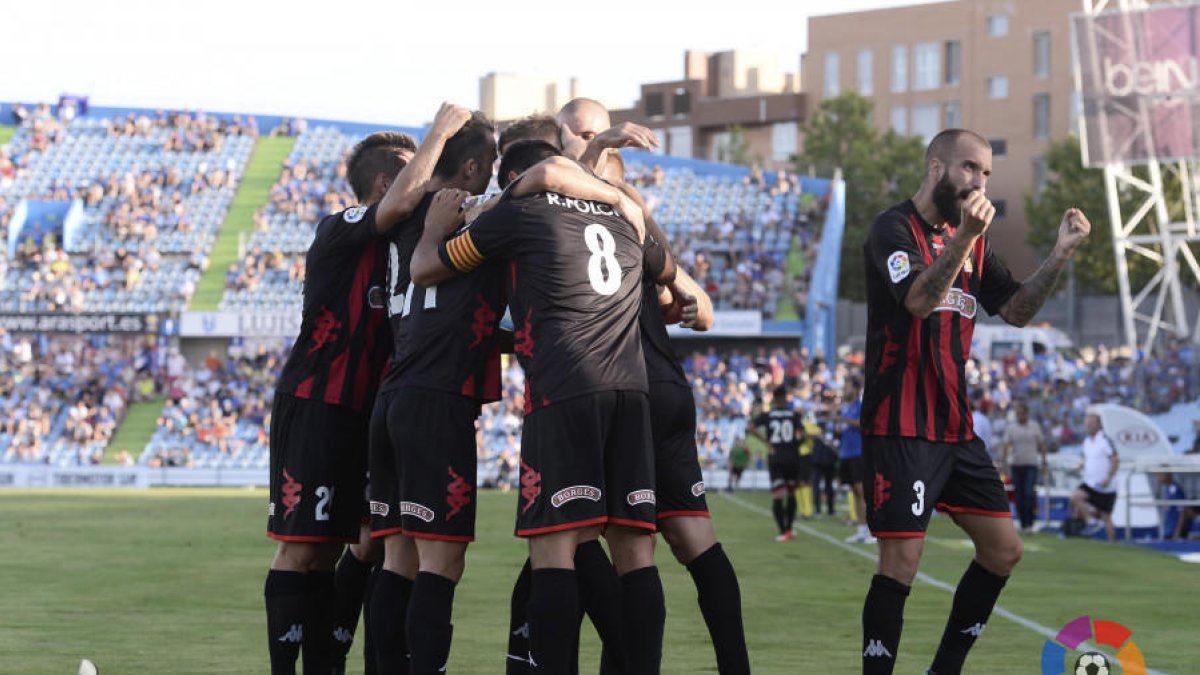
<point>318,431</point>
<point>585,450</point>
<point>782,429</point>
<point>929,268</point>
<point>464,162</point>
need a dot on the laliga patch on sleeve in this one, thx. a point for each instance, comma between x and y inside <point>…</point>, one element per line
<point>898,267</point>
<point>354,215</point>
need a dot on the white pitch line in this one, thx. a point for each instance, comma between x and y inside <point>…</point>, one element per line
<point>921,576</point>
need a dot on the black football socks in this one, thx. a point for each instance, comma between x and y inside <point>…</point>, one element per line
<point>882,621</point>
<point>553,618</point>
<point>777,510</point>
<point>517,661</point>
<point>389,611</point>
<point>790,518</point>
<point>645,612</point>
<point>350,582</point>
<point>720,601</point>
<point>318,645</point>
<point>284,594</point>
<point>429,629</point>
<point>973,602</point>
<point>600,599</point>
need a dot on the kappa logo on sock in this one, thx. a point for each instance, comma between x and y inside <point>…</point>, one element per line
<point>974,630</point>
<point>523,631</point>
<point>417,510</point>
<point>698,489</point>
<point>876,648</point>
<point>343,636</point>
<point>295,634</point>
<point>570,494</point>
<point>380,508</point>
<point>640,497</point>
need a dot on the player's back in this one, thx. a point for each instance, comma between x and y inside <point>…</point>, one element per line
<point>784,432</point>
<point>575,294</point>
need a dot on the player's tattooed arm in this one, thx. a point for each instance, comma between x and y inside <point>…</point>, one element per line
<point>932,284</point>
<point>444,216</point>
<point>406,191</point>
<point>1025,303</point>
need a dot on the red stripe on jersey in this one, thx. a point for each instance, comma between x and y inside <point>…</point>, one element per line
<point>468,387</point>
<point>337,378</point>
<point>919,235</point>
<point>908,381</point>
<point>492,386</point>
<point>930,378</point>
<point>949,374</point>
<point>358,291</point>
<point>304,389</point>
<point>880,426</point>
<point>979,257</point>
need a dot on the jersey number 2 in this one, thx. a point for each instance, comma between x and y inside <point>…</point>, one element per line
<point>603,270</point>
<point>325,497</point>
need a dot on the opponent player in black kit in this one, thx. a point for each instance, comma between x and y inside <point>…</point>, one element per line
<point>929,269</point>
<point>576,270</point>
<point>782,429</point>
<point>318,431</point>
<point>464,162</point>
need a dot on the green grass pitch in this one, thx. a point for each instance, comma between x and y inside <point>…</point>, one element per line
<point>170,581</point>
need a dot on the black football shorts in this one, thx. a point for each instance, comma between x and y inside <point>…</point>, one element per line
<point>783,470</point>
<point>318,471</point>
<point>904,479</point>
<point>679,482</point>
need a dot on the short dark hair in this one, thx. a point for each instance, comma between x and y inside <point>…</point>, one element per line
<point>944,142</point>
<point>780,393</point>
<point>470,142</point>
<point>521,155</point>
<point>533,127</point>
<point>373,155</point>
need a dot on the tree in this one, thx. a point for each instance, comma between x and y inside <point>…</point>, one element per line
<point>736,149</point>
<point>880,170</point>
<point>1068,184</point>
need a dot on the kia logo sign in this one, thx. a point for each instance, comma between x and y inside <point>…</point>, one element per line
<point>1137,436</point>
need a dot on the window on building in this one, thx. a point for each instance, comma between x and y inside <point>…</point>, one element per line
<point>654,104</point>
<point>953,62</point>
<point>900,119</point>
<point>999,147</point>
<point>681,102</point>
<point>1001,209</point>
<point>952,115</point>
<point>899,68</point>
<point>679,141</point>
<point>720,145</point>
<point>866,72</point>
<point>927,66</point>
<point>997,25</point>
<point>785,139</point>
<point>1041,53</point>
<point>1039,174</point>
<point>1041,116</point>
<point>925,121</point>
<point>997,87</point>
<point>1076,110</point>
<point>832,74</point>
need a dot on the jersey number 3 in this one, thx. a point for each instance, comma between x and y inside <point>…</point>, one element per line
<point>603,270</point>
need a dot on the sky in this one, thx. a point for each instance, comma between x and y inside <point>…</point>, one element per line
<point>372,61</point>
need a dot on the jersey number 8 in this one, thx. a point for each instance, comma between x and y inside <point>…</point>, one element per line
<point>604,272</point>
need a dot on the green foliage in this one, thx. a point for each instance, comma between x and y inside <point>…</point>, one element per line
<point>737,149</point>
<point>880,169</point>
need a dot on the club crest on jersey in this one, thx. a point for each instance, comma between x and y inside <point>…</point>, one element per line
<point>698,489</point>
<point>380,508</point>
<point>640,497</point>
<point>574,492</point>
<point>417,510</point>
<point>898,267</point>
<point>354,215</point>
<point>958,301</point>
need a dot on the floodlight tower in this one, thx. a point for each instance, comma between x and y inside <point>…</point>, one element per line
<point>1143,227</point>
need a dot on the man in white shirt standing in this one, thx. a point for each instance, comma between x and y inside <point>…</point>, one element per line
<point>1098,492</point>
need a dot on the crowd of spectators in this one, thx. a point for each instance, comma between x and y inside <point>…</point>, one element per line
<point>64,397</point>
<point>187,131</point>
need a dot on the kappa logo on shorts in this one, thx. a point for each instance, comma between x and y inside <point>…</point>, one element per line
<point>380,508</point>
<point>354,215</point>
<point>417,510</point>
<point>530,484</point>
<point>574,492</point>
<point>881,490</point>
<point>291,494</point>
<point>698,489</point>
<point>458,494</point>
<point>640,497</point>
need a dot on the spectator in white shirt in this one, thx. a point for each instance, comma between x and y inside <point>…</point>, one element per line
<point>1098,492</point>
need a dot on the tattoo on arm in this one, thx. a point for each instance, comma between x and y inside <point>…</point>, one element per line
<point>931,287</point>
<point>1025,303</point>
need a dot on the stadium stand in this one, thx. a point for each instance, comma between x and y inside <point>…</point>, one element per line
<point>152,192</point>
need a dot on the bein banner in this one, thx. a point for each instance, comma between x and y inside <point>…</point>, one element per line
<point>1138,76</point>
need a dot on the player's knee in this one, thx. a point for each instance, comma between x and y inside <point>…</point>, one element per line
<point>370,551</point>
<point>294,556</point>
<point>1001,558</point>
<point>400,556</point>
<point>687,539</point>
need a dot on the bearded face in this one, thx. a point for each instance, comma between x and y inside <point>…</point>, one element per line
<point>948,197</point>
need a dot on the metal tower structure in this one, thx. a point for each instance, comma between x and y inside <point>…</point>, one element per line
<point>1145,224</point>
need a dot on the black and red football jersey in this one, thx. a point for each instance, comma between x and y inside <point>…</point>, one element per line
<point>575,274</point>
<point>344,339</point>
<point>915,368</point>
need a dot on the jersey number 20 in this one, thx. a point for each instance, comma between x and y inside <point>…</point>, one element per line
<point>604,272</point>
<point>782,431</point>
